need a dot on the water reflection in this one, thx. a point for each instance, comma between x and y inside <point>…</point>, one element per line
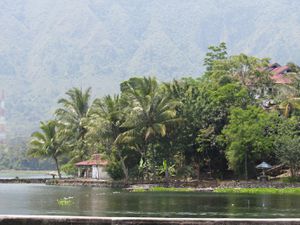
<point>40,199</point>
<point>243,205</point>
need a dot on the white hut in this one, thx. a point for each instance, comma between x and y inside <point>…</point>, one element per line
<point>93,168</point>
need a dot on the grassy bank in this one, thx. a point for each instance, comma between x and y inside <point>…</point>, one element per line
<point>162,189</point>
<point>259,190</point>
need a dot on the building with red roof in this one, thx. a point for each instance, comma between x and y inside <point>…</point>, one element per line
<point>94,168</point>
<point>279,73</point>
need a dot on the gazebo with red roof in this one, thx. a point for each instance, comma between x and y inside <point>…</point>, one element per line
<point>93,168</point>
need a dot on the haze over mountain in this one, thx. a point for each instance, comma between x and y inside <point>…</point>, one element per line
<point>49,46</point>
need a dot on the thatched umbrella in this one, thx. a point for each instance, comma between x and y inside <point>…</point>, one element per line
<point>263,166</point>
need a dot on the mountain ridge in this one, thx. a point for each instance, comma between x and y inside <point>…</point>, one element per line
<point>49,46</point>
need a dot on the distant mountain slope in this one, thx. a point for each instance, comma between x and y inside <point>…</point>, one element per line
<point>48,46</point>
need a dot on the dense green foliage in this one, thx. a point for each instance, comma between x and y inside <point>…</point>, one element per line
<point>187,128</point>
<point>287,145</point>
<point>249,137</point>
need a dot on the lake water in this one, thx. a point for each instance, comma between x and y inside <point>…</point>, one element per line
<point>26,174</point>
<point>29,199</point>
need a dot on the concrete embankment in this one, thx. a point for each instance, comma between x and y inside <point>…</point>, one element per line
<point>204,184</point>
<point>66,220</point>
<point>24,181</point>
<point>86,182</point>
<point>257,184</point>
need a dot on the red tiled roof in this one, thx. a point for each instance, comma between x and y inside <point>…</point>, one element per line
<point>280,79</point>
<point>278,75</point>
<point>96,160</point>
<point>280,70</point>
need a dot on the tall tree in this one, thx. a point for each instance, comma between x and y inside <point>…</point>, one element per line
<point>182,137</point>
<point>247,70</point>
<point>149,113</point>
<point>249,137</point>
<point>287,144</point>
<point>215,53</point>
<point>106,118</point>
<point>288,152</point>
<point>216,105</point>
<point>72,117</point>
<point>47,143</point>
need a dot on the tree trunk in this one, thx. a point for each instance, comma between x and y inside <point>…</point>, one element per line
<point>146,169</point>
<point>209,164</point>
<point>142,170</point>
<point>167,174</point>
<point>293,170</point>
<point>143,152</point>
<point>153,160</point>
<point>124,168</point>
<point>57,167</point>
<point>198,158</point>
<point>246,166</point>
<point>198,169</point>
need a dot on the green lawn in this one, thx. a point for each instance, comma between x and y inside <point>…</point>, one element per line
<point>163,189</point>
<point>259,190</point>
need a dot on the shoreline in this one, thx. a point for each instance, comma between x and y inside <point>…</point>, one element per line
<point>193,186</point>
<point>23,180</point>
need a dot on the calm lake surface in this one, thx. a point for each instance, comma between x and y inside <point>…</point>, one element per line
<point>35,199</point>
<point>25,174</point>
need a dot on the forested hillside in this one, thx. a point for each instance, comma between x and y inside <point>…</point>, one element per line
<point>49,46</point>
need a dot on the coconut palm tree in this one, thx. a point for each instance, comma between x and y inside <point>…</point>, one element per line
<point>289,105</point>
<point>108,109</point>
<point>150,110</point>
<point>72,117</point>
<point>46,143</point>
<point>106,117</point>
<point>149,113</point>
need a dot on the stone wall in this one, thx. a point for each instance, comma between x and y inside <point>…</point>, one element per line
<point>23,181</point>
<point>257,184</point>
<point>121,184</point>
<point>201,185</point>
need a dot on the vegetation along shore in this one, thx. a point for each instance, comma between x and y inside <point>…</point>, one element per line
<point>241,111</point>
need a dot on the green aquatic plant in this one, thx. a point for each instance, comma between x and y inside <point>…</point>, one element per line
<point>139,190</point>
<point>65,201</point>
<point>163,189</point>
<point>259,190</point>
